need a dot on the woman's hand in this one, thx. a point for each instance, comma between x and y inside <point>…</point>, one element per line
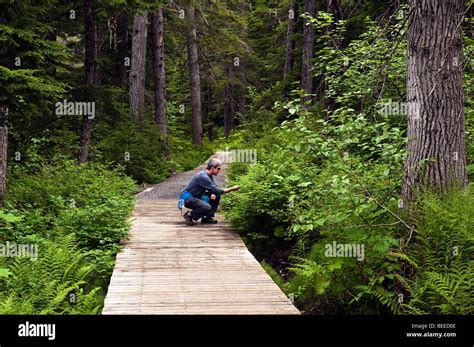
<point>231,189</point>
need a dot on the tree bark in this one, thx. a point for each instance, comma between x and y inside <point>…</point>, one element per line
<point>229,106</point>
<point>436,147</point>
<point>52,36</point>
<point>243,94</point>
<point>333,7</point>
<point>137,68</point>
<point>207,113</point>
<point>194,77</point>
<point>290,41</point>
<point>228,111</point>
<point>122,47</point>
<point>3,134</point>
<point>97,69</point>
<point>3,152</point>
<point>90,25</point>
<point>158,49</point>
<point>308,50</point>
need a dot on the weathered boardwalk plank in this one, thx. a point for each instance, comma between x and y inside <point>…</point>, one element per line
<point>166,267</point>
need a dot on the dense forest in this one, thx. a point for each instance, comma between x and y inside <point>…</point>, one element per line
<point>360,113</point>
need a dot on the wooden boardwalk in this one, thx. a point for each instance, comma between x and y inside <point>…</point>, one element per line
<point>167,267</point>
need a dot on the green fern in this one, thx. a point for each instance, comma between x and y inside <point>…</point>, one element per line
<point>43,286</point>
<point>441,294</point>
<point>373,290</point>
<point>444,248</point>
<point>311,276</point>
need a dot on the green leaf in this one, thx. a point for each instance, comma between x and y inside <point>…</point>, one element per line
<point>470,168</point>
<point>279,231</point>
<point>9,217</point>
<point>5,273</point>
<point>336,265</point>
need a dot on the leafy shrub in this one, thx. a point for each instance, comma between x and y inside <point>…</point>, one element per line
<point>138,148</point>
<point>338,179</point>
<point>319,181</point>
<point>306,191</point>
<point>184,155</point>
<point>75,215</point>
<point>331,190</point>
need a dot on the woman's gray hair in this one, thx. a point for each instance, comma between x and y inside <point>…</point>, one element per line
<point>213,162</point>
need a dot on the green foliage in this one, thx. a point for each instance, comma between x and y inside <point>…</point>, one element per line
<point>75,216</point>
<point>375,63</point>
<point>443,252</point>
<point>27,62</point>
<point>319,196</point>
<point>338,180</point>
<point>273,274</point>
<point>52,284</point>
<point>80,185</point>
<point>324,174</point>
<point>316,277</point>
<point>469,92</point>
<point>184,155</point>
<point>138,148</point>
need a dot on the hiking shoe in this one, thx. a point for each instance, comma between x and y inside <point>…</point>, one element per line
<point>208,220</point>
<point>189,220</point>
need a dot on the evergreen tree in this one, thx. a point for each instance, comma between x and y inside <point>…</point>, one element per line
<point>138,66</point>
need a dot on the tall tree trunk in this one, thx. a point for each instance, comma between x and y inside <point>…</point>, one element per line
<point>436,148</point>
<point>208,115</point>
<point>194,77</point>
<point>137,68</point>
<point>308,50</point>
<point>333,7</point>
<point>240,105</point>
<point>3,152</point>
<point>3,133</point>
<point>97,69</point>
<point>122,47</point>
<point>243,94</point>
<point>229,106</point>
<point>90,25</point>
<point>290,41</point>
<point>158,49</point>
<point>52,36</point>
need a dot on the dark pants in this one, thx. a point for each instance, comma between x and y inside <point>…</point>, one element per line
<point>200,208</point>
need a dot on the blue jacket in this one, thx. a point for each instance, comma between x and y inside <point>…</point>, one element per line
<point>202,184</point>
